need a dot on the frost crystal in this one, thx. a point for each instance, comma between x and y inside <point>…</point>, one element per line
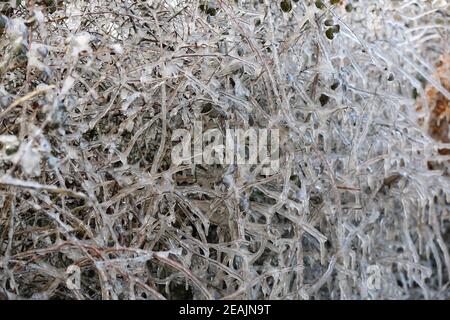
<point>96,96</point>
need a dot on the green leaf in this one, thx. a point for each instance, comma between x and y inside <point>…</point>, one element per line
<point>329,22</point>
<point>330,33</point>
<point>3,21</point>
<point>336,28</point>
<point>335,85</point>
<point>286,5</point>
<point>324,99</point>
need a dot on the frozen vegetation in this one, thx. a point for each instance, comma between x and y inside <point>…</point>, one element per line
<point>91,92</point>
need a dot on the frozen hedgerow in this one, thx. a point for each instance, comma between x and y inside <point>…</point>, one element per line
<point>91,92</point>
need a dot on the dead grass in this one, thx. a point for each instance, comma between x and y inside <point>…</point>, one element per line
<point>91,92</point>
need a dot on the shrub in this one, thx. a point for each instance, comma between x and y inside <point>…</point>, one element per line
<point>91,91</point>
